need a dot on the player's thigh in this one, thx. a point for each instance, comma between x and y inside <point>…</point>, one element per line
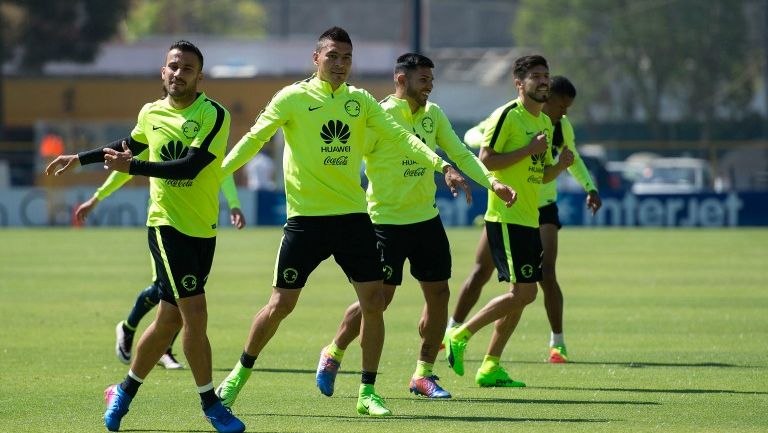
<point>516,252</point>
<point>302,248</point>
<point>353,242</point>
<point>430,251</point>
<point>392,244</point>
<point>182,263</point>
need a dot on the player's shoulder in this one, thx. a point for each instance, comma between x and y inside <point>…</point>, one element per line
<point>214,105</point>
<point>360,93</point>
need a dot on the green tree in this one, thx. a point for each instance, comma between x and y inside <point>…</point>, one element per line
<point>629,54</point>
<point>221,17</point>
<point>44,30</point>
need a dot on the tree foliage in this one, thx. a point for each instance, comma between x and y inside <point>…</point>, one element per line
<point>46,30</point>
<point>631,58</point>
<point>221,17</point>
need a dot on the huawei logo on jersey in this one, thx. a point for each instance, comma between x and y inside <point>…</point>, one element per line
<point>538,158</point>
<point>173,150</point>
<point>335,129</point>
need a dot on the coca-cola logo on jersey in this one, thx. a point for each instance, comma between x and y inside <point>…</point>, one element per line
<point>414,172</point>
<point>336,160</point>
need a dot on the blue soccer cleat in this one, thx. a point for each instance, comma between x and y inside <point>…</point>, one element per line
<point>428,387</point>
<point>327,368</point>
<point>117,406</point>
<point>222,420</point>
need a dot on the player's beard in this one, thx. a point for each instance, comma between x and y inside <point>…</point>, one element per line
<point>416,96</point>
<point>540,99</point>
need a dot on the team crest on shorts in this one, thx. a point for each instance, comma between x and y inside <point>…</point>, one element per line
<point>527,271</point>
<point>388,271</point>
<point>290,275</point>
<point>189,282</point>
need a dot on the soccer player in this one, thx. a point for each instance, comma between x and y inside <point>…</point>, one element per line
<point>401,203</point>
<point>325,122</point>
<point>562,94</point>
<point>188,131</point>
<point>516,149</point>
<point>149,297</point>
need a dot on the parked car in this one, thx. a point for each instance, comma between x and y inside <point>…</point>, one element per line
<point>675,176</point>
<point>606,180</point>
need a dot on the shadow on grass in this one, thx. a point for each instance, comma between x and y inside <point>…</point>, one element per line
<point>290,370</point>
<point>438,418</point>
<point>641,364</point>
<point>652,390</point>
<point>531,401</point>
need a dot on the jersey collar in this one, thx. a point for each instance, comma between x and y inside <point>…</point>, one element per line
<point>403,105</point>
<point>326,86</point>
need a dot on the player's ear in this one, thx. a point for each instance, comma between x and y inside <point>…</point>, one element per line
<point>400,78</point>
<point>315,57</point>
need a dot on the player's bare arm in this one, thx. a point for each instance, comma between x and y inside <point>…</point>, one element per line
<point>498,161</point>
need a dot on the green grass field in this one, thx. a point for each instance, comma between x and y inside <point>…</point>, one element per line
<point>667,328</point>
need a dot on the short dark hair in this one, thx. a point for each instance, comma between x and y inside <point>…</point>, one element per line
<point>559,85</point>
<point>410,61</point>
<point>335,34</point>
<point>526,63</point>
<point>188,47</point>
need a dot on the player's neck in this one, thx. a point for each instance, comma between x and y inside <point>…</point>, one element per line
<point>182,102</point>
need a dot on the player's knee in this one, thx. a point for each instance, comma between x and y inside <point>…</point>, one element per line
<point>524,293</point>
<point>281,307</point>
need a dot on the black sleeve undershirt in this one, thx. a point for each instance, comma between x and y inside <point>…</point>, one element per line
<point>97,155</point>
<point>187,167</point>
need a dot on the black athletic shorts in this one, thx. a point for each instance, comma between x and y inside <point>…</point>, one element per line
<point>424,244</point>
<point>181,263</point>
<point>548,214</point>
<point>516,251</point>
<point>309,240</point>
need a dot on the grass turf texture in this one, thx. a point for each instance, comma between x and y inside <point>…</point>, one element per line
<point>667,329</point>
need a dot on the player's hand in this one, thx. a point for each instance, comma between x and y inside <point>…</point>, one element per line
<point>538,144</point>
<point>118,161</point>
<point>66,162</point>
<point>593,201</point>
<point>454,179</point>
<point>566,158</point>
<point>82,211</point>
<point>505,192</point>
<point>237,218</point>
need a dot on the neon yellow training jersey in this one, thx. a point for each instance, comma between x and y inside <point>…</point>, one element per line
<point>563,136</point>
<point>401,190</point>
<point>509,128</point>
<point>191,206</point>
<point>117,179</point>
<point>325,136</point>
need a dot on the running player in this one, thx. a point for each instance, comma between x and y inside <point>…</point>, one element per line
<point>562,95</point>
<point>516,150</point>
<point>188,131</point>
<point>401,203</point>
<point>325,122</point>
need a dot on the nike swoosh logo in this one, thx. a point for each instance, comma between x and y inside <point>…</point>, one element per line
<point>155,128</point>
<point>315,108</point>
<point>529,133</point>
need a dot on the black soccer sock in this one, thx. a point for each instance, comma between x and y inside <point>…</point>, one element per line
<point>208,399</point>
<point>247,360</point>
<point>368,377</point>
<point>146,301</point>
<point>130,386</point>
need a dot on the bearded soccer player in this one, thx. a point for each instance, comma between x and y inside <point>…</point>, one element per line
<point>181,139</point>
<point>401,203</point>
<point>562,95</point>
<point>515,148</point>
<point>325,121</point>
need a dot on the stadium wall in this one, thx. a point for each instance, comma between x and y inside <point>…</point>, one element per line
<point>48,207</point>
